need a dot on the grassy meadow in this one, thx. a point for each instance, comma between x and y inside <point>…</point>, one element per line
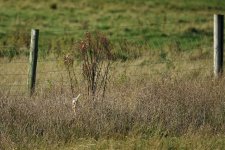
<point>160,92</point>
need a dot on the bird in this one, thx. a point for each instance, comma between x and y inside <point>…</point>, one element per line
<point>75,103</point>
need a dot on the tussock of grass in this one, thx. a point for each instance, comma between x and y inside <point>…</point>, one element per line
<point>163,108</point>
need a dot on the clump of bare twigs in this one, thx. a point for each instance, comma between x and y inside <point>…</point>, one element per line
<point>96,55</point>
<point>68,62</point>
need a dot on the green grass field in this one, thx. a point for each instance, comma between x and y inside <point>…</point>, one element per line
<point>161,92</point>
<point>182,25</point>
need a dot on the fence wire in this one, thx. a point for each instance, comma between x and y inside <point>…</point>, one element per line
<point>168,42</point>
<point>64,80</point>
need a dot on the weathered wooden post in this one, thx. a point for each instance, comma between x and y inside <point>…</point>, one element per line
<point>218,44</point>
<point>33,60</point>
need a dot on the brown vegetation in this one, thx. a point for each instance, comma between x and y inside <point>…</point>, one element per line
<point>166,107</point>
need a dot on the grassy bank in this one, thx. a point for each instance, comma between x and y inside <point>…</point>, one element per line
<point>167,112</point>
<point>161,93</point>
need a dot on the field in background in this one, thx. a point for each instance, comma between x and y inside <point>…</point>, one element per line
<point>185,26</point>
<point>161,93</point>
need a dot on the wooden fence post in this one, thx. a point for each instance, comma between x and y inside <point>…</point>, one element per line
<point>33,60</point>
<point>218,44</point>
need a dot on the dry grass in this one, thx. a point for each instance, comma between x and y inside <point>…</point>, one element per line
<point>156,143</point>
<point>147,105</point>
<point>166,107</point>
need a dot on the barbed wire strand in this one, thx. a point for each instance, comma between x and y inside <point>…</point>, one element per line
<point>12,85</point>
<point>19,62</point>
<point>13,74</point>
